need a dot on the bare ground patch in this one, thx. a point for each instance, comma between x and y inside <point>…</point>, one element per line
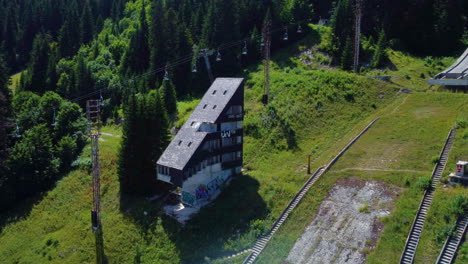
<point>347,225</point>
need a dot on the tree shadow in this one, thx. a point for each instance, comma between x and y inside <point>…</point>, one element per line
<point>140,208</point>
<point>20,210</point>
<point>228,217</point>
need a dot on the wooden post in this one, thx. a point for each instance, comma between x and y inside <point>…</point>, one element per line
<point>308,165</point>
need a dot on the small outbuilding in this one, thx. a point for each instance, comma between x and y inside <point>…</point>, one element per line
<point>461,175</point>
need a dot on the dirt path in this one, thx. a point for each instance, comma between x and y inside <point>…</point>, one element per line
<point>346,224</point>
<point>378,169</point>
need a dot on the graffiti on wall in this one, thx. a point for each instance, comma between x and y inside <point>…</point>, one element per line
<point>188,198</point>
<point>201,192</point>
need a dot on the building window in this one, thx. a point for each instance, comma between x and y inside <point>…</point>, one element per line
<point>230,126</point>
<point>231,141</point>
<point>163,170</point>
<point>214,159</point>
<point>189,144</point>
<point>234,110</point>
<point>225,92</point>
<point>214,92</point>
<point>207,127</point>
<point>214,106</point>
<point>205,106</point>
<point>180,142</point>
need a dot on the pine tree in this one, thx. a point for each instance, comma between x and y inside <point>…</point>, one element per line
<point>169,97</point>
<point>86,24</point>
<point>157,135</point>
<point>379,51</point>
<point>128,154</point>
<point>136,58</point>
<point>347,55</point>
<point>38,64</point>
<point>342,27</point>
<point>83,78</point>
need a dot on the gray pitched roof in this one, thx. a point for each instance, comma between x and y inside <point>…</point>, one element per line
<point>187,140</point>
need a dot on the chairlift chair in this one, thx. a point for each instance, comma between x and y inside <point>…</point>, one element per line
<point>285,36</point>
<point>17,131</point>
<point>218,56</point>
<point>54,120</point>
<point>244,50</point>
<point>299,28</point>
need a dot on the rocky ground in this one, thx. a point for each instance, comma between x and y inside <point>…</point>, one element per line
<point>347,224</point>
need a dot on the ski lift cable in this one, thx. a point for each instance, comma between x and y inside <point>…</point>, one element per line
<point>174,63</point>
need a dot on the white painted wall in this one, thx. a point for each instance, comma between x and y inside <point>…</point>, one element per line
<point>204,176</point>
<point>163,177</point>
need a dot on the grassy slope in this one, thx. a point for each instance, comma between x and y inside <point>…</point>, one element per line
<point>310,104</point>
<point>407,136</point>
<point>412,72</point>
<point>432,239</point>
<point>247,207</point>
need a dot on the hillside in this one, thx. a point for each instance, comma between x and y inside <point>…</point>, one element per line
<point>397,151</point>
<point>309,112</point>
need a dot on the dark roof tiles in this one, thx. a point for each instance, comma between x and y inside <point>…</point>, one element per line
<point>188,139</point>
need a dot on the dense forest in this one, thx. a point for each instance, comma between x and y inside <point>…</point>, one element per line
<point>139,56</point>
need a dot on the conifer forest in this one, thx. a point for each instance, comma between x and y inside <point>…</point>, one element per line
<point>148,63</point>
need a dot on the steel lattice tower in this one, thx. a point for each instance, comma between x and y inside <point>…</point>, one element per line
<point>357,35</point>
<point>93,109</point>
<point>266,34</point>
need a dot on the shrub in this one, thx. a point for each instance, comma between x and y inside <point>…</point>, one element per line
<point>365,208</point>
<point>448,230</point>
<point>458,205</point>
<point>461,123</point>
<point>435,159</point>
<point>424,183</point>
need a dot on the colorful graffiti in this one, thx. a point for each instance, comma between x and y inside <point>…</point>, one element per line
<point>188,198</point>
<point>201,192</point>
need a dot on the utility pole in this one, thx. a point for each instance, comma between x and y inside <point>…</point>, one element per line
<point>266,49</point>
<point>205,53</point>
<point>357,35</point>
<point>93,109</point>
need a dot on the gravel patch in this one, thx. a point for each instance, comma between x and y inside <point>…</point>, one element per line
<point>347,224</point>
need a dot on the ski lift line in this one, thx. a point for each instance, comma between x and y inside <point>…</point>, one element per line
<point>238,41</point>
<point>175,63</point>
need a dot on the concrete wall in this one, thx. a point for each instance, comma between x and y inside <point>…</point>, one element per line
<point>205,184</point>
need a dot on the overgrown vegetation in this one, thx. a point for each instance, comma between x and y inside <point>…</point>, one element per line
<point>48,133</point>
<point>449,202</point>
<point>386,153</point>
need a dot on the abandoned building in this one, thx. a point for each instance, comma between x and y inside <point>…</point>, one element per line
<point>207,150</point>
<point>461,175</point>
